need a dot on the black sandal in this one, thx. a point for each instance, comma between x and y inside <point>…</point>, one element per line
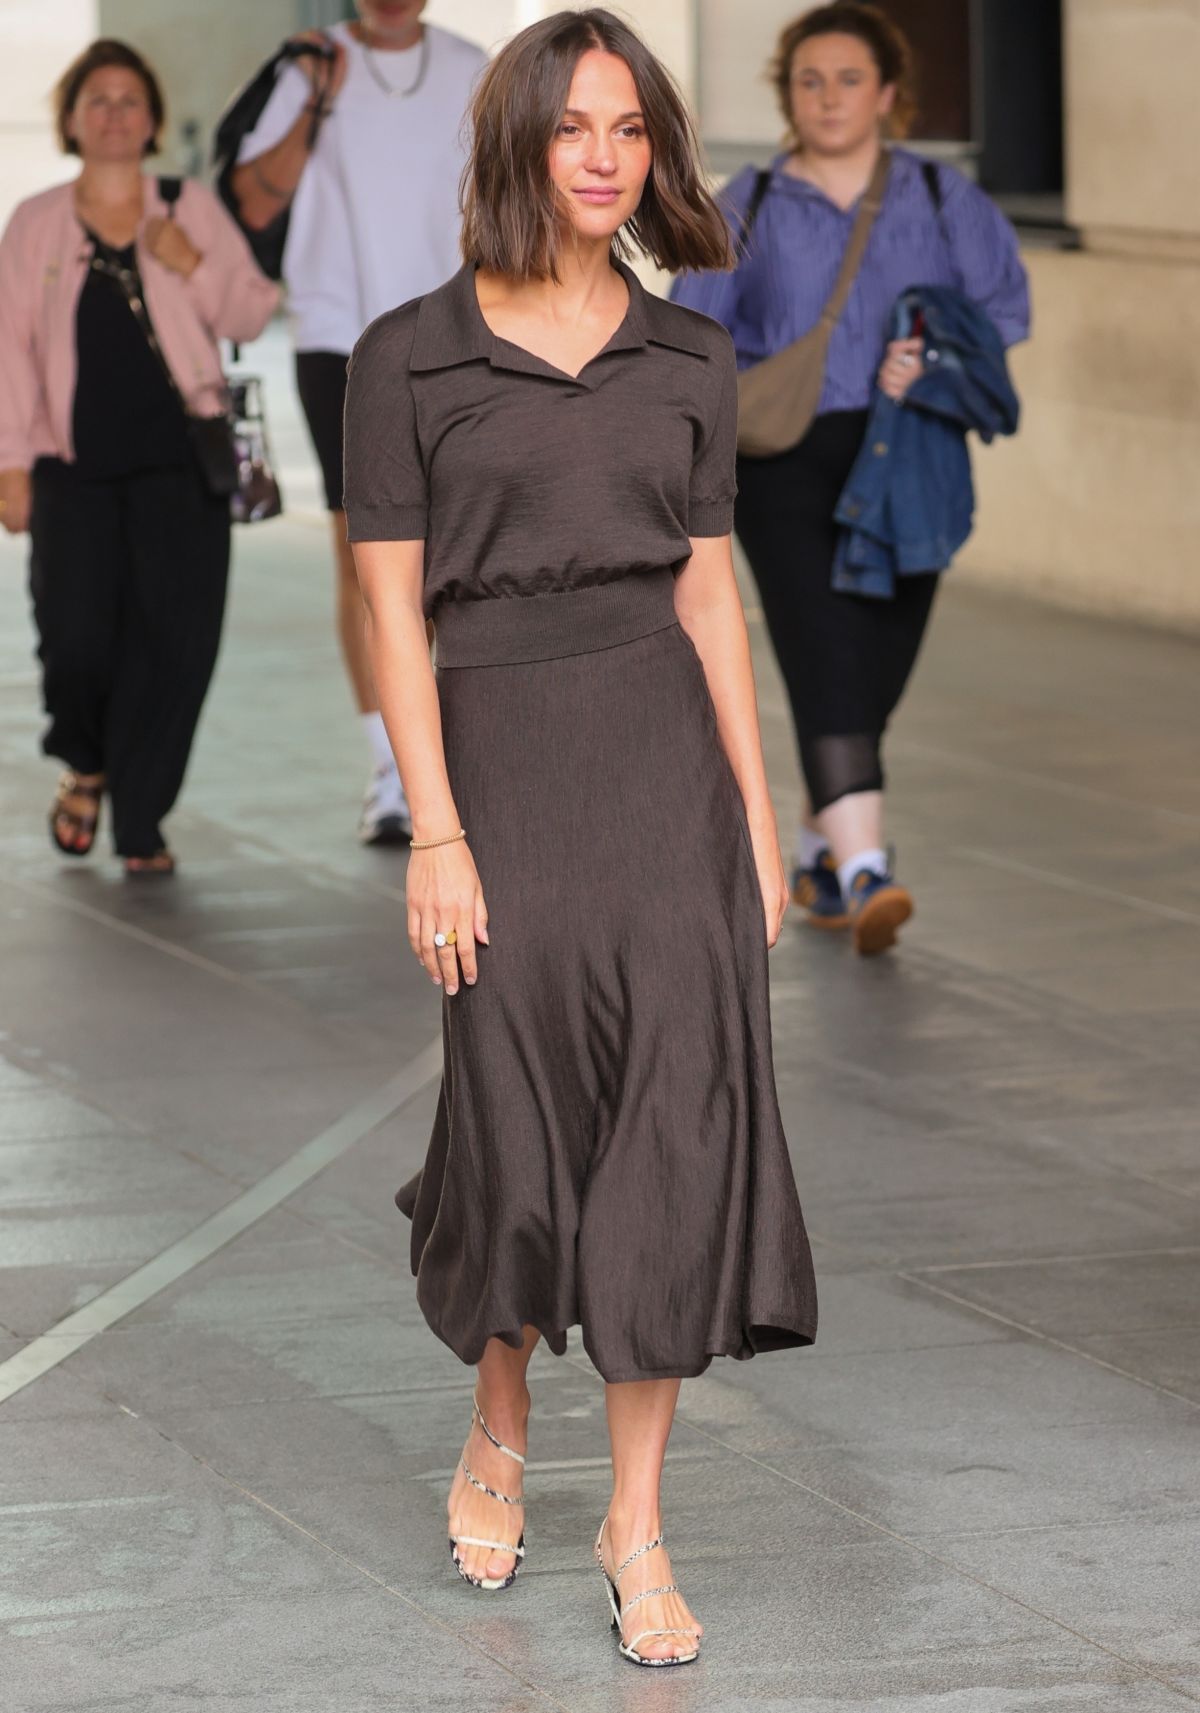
<point>83,821</point>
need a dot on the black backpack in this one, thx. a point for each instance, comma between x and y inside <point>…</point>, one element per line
<point>235,124</point>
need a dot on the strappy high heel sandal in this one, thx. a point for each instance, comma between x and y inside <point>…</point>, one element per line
<point>492,1584</point>
<point>628,1650</point>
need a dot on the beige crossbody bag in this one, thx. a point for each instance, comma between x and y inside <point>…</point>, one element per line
<point>778,398</point>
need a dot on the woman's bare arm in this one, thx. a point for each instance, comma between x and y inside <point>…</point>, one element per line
<point>443,886</point>
<point>709,609</point>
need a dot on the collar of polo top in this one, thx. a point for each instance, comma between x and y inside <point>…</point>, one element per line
<point>451,330</point>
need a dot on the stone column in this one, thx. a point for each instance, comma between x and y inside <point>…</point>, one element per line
<point>1097,502</point>
<point>37,43</point>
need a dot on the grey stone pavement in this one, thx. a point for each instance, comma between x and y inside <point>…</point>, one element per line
<point>978,1494</point>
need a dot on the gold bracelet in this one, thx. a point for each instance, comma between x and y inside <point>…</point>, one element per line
<point>432,844</point>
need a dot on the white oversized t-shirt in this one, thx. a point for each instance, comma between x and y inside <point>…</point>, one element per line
<point>375,218</point>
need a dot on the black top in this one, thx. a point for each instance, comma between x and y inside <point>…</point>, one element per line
<point>524,480</point>
<point>126,418</point>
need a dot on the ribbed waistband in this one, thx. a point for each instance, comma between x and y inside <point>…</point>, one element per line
<point>518,629</point>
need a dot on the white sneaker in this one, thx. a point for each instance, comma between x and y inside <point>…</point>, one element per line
<point>385,818</point>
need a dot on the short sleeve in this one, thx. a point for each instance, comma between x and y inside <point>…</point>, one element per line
<point>714,484</point>
<point>386,492</point>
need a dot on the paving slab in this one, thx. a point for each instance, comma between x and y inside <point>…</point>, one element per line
<point>1132,1583</point>
<point>1085,1296</point>
<point>978,1494</point>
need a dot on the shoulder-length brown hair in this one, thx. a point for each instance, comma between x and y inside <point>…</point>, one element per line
<point>105,52</point>
<point>512,222</point>
<point>886,42</point>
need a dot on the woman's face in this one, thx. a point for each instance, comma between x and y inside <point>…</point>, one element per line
<point>839,99</point>
<point>600,157</point>
<point>111,119</point>
<point>391,18</point>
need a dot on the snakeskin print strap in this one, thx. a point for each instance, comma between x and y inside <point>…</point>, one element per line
<point>490,1436</point>
<point>667,1588</point>
<point>498,1546</point>
<point>482,1487</point>
<point>634,1556</point>
<point>641,1637</point>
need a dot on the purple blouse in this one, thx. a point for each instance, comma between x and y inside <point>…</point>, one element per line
<point>779,288</point>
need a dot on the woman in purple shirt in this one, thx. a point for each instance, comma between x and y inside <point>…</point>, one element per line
<point>841,75</point>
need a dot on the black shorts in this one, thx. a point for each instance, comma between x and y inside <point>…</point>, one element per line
<point>321,383</point>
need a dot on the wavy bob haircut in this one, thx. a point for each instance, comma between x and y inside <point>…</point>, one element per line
<point>97,57</point>
<point>512,220</point>
<point>885,41</point>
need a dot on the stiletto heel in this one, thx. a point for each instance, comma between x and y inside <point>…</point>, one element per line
<point>628,1650</point>
<point>491,1584</point>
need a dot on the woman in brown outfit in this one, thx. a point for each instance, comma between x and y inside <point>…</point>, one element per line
<point>540,458</point>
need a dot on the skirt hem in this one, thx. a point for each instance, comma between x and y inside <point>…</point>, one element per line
<point>761,1338</point>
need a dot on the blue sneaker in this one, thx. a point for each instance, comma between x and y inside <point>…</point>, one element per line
<point>878,906</point>
<point>818,893</point>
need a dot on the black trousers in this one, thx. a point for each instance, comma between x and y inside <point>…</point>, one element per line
<point>845,659</point>
<point>128,581</point>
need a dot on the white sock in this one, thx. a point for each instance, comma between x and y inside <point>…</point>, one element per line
<point>377,741</point>
<point>810,846</point>
<point>875,860</point>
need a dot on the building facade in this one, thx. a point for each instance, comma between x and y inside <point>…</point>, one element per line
<point>1096,504</point>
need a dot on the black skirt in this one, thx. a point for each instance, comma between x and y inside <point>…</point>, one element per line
<point>608,1148</point>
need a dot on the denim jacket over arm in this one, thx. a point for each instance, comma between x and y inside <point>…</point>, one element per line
<point>909,502</point>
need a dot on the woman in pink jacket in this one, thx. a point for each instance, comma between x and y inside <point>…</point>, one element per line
<point>130,547</point>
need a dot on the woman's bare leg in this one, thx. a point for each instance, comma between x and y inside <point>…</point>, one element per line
<point>640,1414</point>
<point>504,1399</point>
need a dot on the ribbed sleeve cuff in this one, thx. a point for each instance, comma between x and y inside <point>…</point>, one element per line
<point>710,517</point>
<point>386,523</point>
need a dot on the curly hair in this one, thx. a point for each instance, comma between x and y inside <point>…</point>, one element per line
<point>888,46</point>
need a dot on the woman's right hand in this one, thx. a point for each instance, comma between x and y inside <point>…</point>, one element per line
<point>325,76</point>
<point>14,501</point>
<point>444,894</point>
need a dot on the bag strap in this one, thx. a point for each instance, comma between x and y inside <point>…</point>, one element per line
<point>864,220</point>
<point>170,189</point>
<point>129,284</point>
<point>937,195</point>
<point>762,183</point>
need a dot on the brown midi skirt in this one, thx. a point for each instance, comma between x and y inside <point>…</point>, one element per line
<point>608,1149</point>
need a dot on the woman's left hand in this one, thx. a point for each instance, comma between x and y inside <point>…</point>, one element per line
<point>901,367</point>
<point>169,244</point>
<point>772,877</point>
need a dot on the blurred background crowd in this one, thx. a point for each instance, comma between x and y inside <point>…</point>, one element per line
<point>1034,168</point>
<point>1079,116</point>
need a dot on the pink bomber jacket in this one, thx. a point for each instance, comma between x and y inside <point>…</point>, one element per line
<point>44,257</point>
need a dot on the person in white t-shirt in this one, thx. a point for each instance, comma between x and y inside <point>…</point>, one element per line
<point>367,149</point>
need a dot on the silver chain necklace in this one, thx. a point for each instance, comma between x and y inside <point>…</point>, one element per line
<point>382,82</point>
